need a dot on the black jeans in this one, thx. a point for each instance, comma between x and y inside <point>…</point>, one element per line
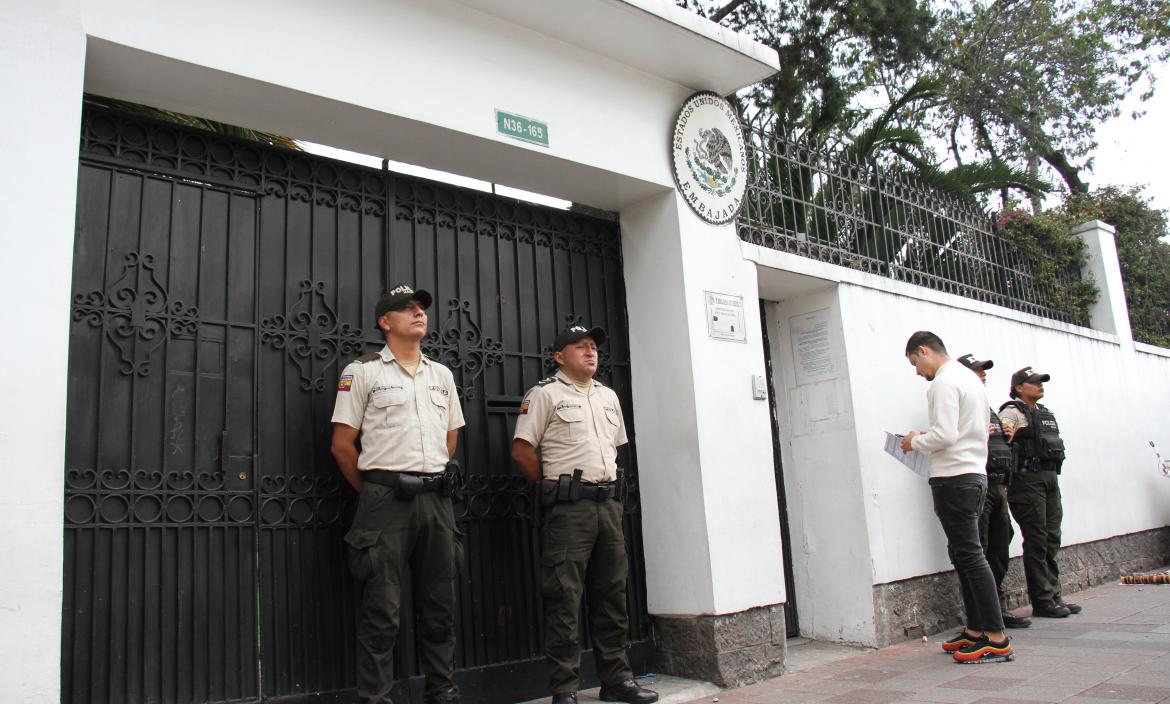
<point>958,503</point>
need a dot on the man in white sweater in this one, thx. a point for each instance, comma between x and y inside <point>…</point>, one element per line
<point>957,444</point>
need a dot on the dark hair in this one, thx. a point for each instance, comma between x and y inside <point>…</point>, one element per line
<point>927,339</point>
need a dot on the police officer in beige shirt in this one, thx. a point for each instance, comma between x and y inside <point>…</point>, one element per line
<point>576,425</point>
<point>404,408</point>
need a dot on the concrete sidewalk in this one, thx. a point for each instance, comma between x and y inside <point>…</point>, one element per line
<point>1118,649</point>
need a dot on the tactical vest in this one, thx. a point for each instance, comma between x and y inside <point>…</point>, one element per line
<point>1000,461</point>
<point>1038,445</point>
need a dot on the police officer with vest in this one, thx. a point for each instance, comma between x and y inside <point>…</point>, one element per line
<point>576,425</point>
<point>1034,495</point>
<point>995,523</point>
<point>404,408</point>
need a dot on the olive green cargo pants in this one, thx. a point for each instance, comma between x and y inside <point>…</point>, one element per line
<point>388,534</point>
<point>584,550</point>
<point>1034,498</point>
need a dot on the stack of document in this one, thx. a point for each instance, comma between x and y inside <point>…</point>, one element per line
<point>917,462</point>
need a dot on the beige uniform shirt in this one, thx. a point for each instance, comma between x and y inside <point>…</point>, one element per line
<point>573,429</point>
<point>1013,418</point>
<point>403,419</point>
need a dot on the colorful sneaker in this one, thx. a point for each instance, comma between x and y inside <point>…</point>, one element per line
<point>958,642</point>
<point>985,650</point>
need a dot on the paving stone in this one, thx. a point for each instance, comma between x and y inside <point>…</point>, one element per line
<point>1119,653</point>
<point>1000,700</point>
<point>940,695</point>
<point>868,676</point>
<point>1041,693</point>
<point>868,696</point>
<point>1128,692</point>
<point>983,683</point>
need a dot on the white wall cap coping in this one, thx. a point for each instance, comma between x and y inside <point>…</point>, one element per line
<point>1151,349</point>
<point>1093,225</point>
<point>654,36</point>
<point>773,259</point>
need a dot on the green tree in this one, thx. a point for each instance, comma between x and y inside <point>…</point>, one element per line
<point>830,52</point>
<point>1021,82</point>
<point>1142,251</point>
<point>1028,81</point>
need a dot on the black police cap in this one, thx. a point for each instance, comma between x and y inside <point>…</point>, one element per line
<point>575,333</point>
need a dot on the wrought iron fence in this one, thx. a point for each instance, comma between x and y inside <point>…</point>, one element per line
<point>839,209</point>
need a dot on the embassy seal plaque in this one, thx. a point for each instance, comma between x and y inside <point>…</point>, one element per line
<point>710,157</point>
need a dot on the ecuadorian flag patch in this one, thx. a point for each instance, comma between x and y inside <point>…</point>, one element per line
<point>524,407</point>
<point>345,383</point>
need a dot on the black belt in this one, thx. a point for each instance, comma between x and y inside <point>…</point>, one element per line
<point>588,492</point>
<point>409,483</point>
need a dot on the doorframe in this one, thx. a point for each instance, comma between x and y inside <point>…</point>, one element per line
<point>791,613</point>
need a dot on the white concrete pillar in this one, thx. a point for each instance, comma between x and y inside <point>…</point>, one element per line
<point>42,50</point>
<point>711,528</point>
<point>1111,312</point>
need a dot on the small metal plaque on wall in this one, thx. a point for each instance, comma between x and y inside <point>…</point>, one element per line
<point>725,319</point>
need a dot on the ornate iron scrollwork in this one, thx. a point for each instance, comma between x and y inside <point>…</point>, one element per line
<point>150,497</point>
<point>136,313</point>
<point>459,345</point>
<point>493,497</point>
<point>311,335</point>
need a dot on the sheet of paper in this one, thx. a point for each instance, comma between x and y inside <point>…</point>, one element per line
<point>917,462</point>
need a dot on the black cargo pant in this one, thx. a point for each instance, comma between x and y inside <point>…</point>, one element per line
<point>584,549</point>
<point>389,534</point>
<point>1034,498</point>
<point>995,533</point>
<point>958,503</point>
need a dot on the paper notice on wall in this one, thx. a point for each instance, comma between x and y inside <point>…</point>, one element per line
<point>812,347</point>
<point>917,462</point>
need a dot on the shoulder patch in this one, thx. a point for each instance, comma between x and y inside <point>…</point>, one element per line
<point>546,382</point>
<point>368,357</point>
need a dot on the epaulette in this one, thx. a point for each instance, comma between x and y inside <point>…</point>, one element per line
<point>368,357</point>
<point>546,382</point>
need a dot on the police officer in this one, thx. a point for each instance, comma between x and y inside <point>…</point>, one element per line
<point>1034,495</point>
<point>995,524</point>
<point>404,407</point>
<point>577,426</point>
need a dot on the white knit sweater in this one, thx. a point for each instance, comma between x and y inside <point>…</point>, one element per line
<point>959,416</point>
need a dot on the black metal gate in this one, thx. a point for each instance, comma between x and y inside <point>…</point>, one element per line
<point>218,286</point>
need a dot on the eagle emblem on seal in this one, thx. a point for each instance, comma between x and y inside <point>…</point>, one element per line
<point>712,162</point>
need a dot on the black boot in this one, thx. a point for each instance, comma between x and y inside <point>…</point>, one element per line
<point>447,696</point>
<point>1010,621</point>
<point>565,698</point>
<point>1051,611</point>
<point>627,691</point>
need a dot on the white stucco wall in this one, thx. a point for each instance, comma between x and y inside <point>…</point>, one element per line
<point>1109,403</point>
<point>826,508</point>
<point>704,444</point>
<point>41,50</point>
<point>857,518</point>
